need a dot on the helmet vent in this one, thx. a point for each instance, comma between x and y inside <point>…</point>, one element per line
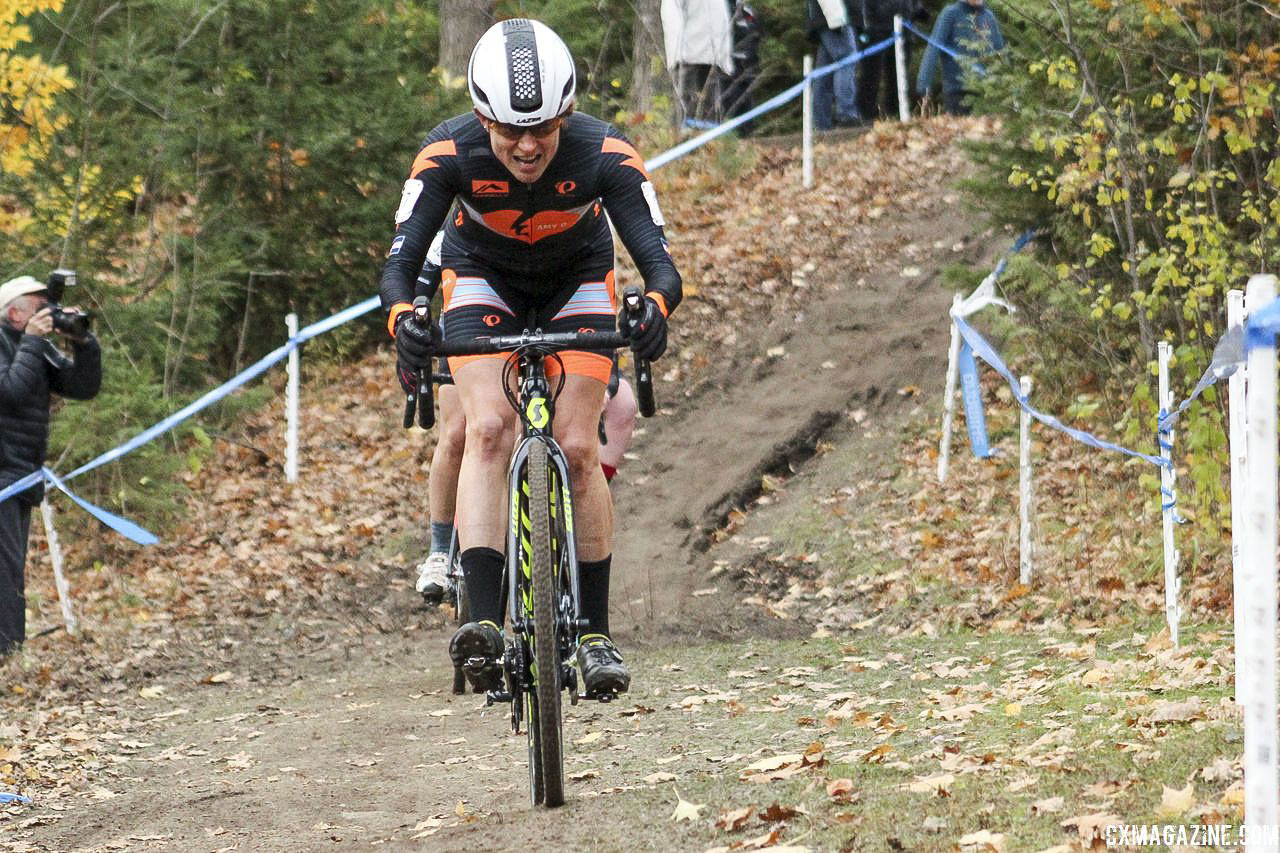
<point>522,61</point>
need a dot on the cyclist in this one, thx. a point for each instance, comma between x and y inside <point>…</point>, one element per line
<point>617,423</point>
<point>528,241</point>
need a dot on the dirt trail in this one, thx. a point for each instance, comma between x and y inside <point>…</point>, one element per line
<point>328,738</point>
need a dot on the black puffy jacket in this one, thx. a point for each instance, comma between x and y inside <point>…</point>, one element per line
<point>30,369</point>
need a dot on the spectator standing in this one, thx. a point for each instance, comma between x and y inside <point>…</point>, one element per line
<point>968,28</point>
<point>829,26</point>
<point>697,36</point>
<point>748,31</point>
<point>878,87</point>
<point>30,368</point>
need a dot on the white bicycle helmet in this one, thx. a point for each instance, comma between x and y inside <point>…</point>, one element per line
<point>521,73</point>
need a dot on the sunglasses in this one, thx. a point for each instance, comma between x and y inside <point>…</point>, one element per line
<point>513,132</point>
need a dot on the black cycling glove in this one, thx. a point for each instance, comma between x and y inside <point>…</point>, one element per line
<point>648,335</point>
<point>408,378</point>
<point>415,343</point>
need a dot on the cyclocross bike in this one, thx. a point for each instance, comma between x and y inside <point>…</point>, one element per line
<point>541,585</point>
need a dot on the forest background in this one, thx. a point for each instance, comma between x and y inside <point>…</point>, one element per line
<point>210,165</point>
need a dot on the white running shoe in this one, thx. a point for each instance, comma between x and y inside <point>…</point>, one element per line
<point>432,577</point>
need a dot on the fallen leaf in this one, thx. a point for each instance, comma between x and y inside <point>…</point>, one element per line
<point>583,775</point>
<point>1220,770</point>
<point>777,813</point>
<point>686,810</point>
<point>839,789</point>
<point>732,821</point>
<point>982,840</point>
<point>154,692</point>
<point>660,777</point>
<point>769,839</point>
<point>1051,805</point>
<point>590,737</point>
<point>217,678</point>
<point>939,784</point>
<point>1177,712</point>
<point>1094,677</point>
<point>1176,801</point>
<point>1091,826</point>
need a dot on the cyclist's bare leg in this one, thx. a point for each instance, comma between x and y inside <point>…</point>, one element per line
<point>577,431</point>
<point>481,514</point>
<point>481,492</point>
<point>442,487</point>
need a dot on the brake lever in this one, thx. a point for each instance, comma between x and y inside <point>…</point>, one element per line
<point>631,300</point>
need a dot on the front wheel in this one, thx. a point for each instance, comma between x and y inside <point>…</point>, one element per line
<point>546,749</point>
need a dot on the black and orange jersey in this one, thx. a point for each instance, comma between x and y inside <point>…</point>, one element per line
<point>528,231</point>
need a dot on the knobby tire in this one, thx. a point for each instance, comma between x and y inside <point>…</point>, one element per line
<point>546,647</point>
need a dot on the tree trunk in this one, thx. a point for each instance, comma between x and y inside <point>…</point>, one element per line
<point>462,22</point>
<point>648,56</point>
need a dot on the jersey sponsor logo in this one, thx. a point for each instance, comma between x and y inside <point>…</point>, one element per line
<point>490,188</point>
<point>492,320</point>
<point>458,220</point>
<point>396,245</point>
<point>566,187</point>
<point>585,331</point>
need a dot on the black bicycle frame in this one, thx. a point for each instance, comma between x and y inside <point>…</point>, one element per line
<point>536,415</point>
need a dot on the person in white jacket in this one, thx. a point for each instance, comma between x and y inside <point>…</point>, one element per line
<point>698,36</point>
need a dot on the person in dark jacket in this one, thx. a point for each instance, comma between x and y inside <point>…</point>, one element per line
<point>738,94</point>
<point>829,25</point>
<point>878,87</point>
<point>968,28</point>
<point>31,368</point>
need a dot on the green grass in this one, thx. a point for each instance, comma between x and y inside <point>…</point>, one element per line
<point>777,710</point>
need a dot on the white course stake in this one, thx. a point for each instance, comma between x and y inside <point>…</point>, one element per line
<point>806,129</point>
<point>291,406</point>
<point>1025,507</point>
<point>900,61</point>
<point>59,579</point>
<point>949,394</point>
<point>1258,561</point>
<point>1168,500</point>
<point>1237,438</point>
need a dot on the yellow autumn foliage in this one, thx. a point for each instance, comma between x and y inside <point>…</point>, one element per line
<point>29,88</point>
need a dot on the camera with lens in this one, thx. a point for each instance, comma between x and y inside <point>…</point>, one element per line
<point>72,323</point>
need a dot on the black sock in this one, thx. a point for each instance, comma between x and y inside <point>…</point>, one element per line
<point>594,588</point>
<point>482,568</point>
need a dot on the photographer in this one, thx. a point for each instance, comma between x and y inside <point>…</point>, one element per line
<point>30,368</point>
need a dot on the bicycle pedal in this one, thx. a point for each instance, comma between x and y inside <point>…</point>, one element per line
<point>492,696</point>
<point>602,696</point>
